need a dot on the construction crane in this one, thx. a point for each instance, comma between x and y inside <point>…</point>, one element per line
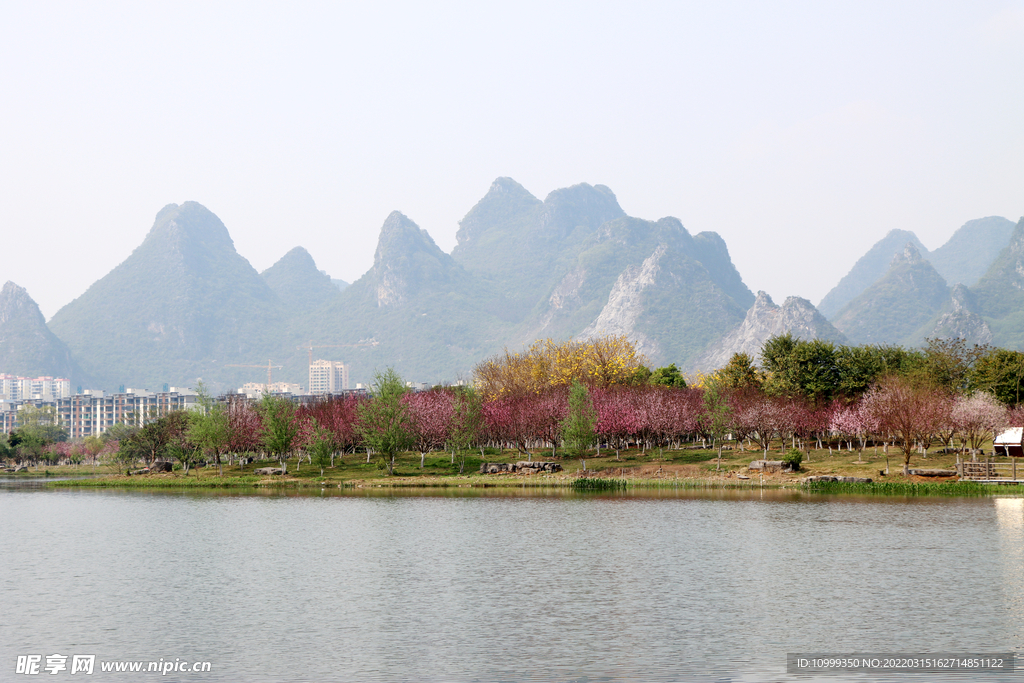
<point>372,342</point>
<point>268,366</point>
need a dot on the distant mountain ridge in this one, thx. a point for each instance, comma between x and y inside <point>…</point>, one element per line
<point>181,307</point>
<point>764,320</point>
<point>899,306</point>
<point>27,346</point>
<point>571,265</point>
<point>960,319</point>
<point>297,282</point>
<point>523,245</point>
<point>963,259</point>
<point>867,270</point>
<point>186,306</point>
<point>1000,293</point>
<point>972,250</point>
<point>416,309</point>
<point>979,261</point>
<point>525,269</point>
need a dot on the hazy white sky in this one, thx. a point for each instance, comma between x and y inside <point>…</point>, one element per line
<point>801,132</point>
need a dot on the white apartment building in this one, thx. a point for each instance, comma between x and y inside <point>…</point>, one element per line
<point>256,389</point>
<point>94,412</point>
<point>13,388</point>
<point>327,377</point>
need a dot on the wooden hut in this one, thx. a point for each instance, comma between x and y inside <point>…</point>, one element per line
<point>1010,443</point>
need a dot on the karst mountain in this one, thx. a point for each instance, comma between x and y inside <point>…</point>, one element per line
<point>185,306</point>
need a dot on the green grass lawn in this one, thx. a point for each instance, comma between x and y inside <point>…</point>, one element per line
<point>653,467</point>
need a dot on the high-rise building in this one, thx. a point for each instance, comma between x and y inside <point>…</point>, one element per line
<point>14,388</point>
<point>327,377</point>
<point>95,412</point>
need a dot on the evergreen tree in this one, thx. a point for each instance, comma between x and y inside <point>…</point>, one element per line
<point>579,428</point>
<point>668,376</point>
<point>467,423</point>
<point>740,373</point>
<point>385,422</point>
<point>279,427</point>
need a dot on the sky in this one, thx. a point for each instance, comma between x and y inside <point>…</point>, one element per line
<point>801,132</point>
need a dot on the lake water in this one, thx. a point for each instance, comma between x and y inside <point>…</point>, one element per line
<point>488,586</point>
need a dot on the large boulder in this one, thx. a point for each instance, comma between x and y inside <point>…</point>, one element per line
<point>767,465</point>
<point>521,467</point>
<point>535,466</point>
<point>161,466</point>
<point>496,468</point>
<point>934,473</point>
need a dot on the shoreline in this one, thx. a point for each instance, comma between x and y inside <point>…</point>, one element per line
<point>563,484</point>
<point>629,470</point>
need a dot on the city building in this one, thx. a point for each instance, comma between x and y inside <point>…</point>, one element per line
<point>94,412</point>
<point>13,388</point>
<point>327,377</point>
<point>256,389</point>
<point>8,416</point>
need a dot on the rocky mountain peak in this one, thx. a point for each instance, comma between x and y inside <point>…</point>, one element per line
<point>506,205</point>
<point>899,307</point>
<point>15,302</point>
<point>298,283</point>
<point>191,226</point>
<point>297,257</point>
<point>399,239</point>
<point>625,305</point>
<point>910,256</point>
<point>762,304</point>
<point>961,299</point>
<point>406,258</point>
<point>961,319</point>
<point>584,205</point>
<point>868,269</point>
<point>766,319</point>
<point>972,249</point>
<point>1000,292</point>
<point>175,309</point>
<point>505,186</point>
<point>27,346</point>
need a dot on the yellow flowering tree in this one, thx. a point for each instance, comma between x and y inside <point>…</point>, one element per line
<point>598,362</point>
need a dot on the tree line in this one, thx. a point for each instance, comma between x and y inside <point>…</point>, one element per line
<point>821,371</point>
<point>579,398</point>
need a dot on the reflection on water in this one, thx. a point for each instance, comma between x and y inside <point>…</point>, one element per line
<point>492,584</point>
<point>1010,516</point>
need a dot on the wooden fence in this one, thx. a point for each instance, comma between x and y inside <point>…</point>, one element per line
<point>988,470</point>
